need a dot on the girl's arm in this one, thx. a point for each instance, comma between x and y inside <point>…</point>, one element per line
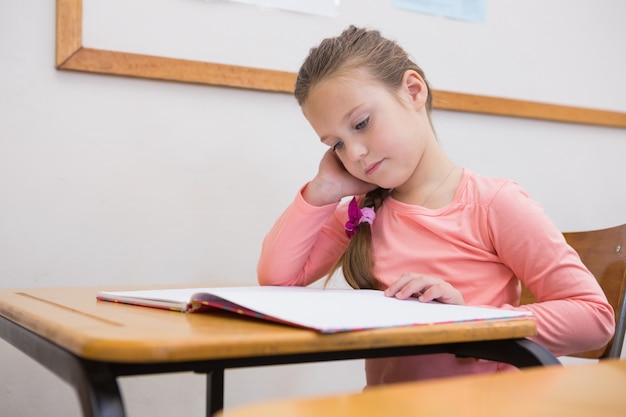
<point>572,312</point>
<point>303,244</point>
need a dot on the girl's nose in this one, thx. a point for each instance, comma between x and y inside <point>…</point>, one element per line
<point>356,151</point>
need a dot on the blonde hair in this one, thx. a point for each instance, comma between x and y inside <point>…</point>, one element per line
<point>384,60</point>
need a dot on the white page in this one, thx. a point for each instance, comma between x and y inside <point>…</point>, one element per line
<point>332,310</point>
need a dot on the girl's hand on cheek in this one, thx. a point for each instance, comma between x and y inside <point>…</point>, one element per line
<point>333,182</point>
<point>425,289</point>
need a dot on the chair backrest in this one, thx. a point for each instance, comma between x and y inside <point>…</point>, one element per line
<point>604,253</point>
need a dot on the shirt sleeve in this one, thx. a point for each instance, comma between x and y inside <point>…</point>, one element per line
<point>303,245</point>
<point>572,312</point>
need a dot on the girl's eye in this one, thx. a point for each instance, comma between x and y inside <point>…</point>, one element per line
<point>337,146</point>
<point>363,124</point>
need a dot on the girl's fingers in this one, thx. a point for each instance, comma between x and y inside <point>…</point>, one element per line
<point>408,285</point>
<point>424,288</point>
<point>444,293</point>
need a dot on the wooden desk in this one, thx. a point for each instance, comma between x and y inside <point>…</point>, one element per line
<point>566,391</point>
<point>91,343</point>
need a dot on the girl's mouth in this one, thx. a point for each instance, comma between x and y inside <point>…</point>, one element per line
<point>373,167</point>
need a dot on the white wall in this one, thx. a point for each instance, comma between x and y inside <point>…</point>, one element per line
<point>107,180</point>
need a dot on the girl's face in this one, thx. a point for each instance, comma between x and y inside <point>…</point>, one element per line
<point>378,135</point>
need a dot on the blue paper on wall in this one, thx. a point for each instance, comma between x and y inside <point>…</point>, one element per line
<point>474,11</point>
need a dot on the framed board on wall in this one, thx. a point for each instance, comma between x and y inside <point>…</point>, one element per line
<point>72,55</point>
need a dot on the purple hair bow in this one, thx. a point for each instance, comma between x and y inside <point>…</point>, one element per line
<point>356,216</point>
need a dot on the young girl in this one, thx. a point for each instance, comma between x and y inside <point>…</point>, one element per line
<point>420,226</point>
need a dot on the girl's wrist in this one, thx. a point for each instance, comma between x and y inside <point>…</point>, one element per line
<point>318,194</point>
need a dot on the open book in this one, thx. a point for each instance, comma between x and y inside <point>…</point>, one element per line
<point>323,310</point>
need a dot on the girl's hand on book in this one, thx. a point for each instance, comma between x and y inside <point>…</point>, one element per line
<point>424,288</point>
<point>333,182</point>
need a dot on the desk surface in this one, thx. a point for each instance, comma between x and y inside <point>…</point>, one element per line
<point>73,319</point>
<point>571,391</point>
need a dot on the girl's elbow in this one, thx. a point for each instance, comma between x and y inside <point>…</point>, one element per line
<point>603,327</point>
<point>266,275</point>
<point>263,275</point>
<point>608,324</point>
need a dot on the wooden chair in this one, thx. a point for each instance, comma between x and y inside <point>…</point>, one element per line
<point>604,253</point>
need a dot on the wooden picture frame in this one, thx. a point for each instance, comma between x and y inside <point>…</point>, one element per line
<point>73,56</point>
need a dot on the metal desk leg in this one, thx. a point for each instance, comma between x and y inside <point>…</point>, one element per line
<point>521,353</point>
<point>95,383</point>
<point>214,391</point>
<point>98,390</point>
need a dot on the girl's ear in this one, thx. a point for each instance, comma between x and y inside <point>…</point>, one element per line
<point>416,88</point>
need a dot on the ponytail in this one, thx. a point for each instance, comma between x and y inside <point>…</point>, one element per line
<point>357,262</point>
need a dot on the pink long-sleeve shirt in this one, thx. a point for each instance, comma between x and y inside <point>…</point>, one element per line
<point>491,237</point>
